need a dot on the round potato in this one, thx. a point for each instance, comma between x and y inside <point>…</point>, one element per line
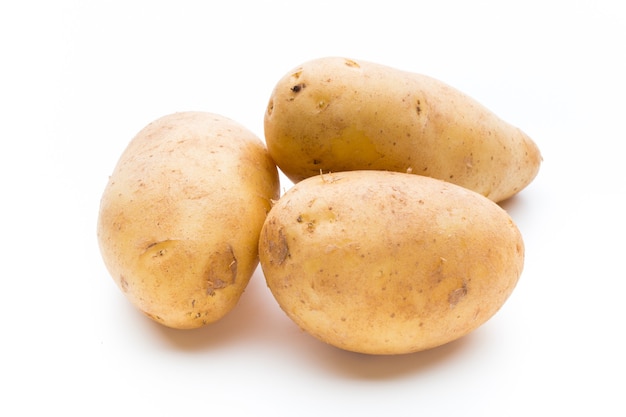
<point>336,114</point>
<point>180,217</point>
<point>388,263</point>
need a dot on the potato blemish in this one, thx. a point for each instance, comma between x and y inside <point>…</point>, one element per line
<point>270,107</point>
<point>222,277</point>
<point>308,222</point>
<point>351,63</point>
<point>278,249</point>
<point>457,295</point>
<point>158,249</point>
<point>123,283</point>
<point>297,74</point>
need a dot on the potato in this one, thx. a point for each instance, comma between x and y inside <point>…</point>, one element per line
<point>381,262</point>
<point>180,217</point>
<point>336,114</point>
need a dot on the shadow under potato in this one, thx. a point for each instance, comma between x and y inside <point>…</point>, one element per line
<point>379,367</point>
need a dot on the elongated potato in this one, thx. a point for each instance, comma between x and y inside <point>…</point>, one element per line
<point>388,263</point>
<point>336,114</point>
<point>180,218</point>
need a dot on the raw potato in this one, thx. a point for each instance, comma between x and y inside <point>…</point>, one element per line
<point>388,263</point>
<point>180,218</point>
<point>336,114</point>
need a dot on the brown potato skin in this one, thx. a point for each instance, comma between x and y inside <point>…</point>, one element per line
<point>388,263</point>
<point>180,217</point>
<point>336,114</point>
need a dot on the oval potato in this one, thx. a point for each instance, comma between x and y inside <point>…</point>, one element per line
<point>388,263</point>
<point>180,217</point>
<point>337,114</point>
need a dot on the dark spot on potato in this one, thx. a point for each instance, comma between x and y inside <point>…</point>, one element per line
<point>352,63</point>
<point>123,283</point>
<point>418,108</point>
<point>298,87</point>
<point>233,264</point>
<point>157,251</point>
<point>223,272</point>
<point>457,295</point>
<point>154,317</point>
<point>270,107</point>
<point>279,249</point>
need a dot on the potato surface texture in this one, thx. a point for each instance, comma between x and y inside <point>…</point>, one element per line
<point>388,263</point>
<point>180,217</point>
<point>336,114</point>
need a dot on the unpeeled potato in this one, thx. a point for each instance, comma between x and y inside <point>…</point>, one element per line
<point>336,114</point>
<point>180,217</point>
<point>388,263</point>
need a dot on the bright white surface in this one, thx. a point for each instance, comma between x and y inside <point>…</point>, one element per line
<point>79,79</point>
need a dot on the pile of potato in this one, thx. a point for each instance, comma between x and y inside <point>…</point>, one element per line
<point>390,240</point>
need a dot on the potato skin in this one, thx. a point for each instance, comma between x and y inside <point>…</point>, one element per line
<point>388,263</point>
<point>180,217</point>
<point>337,114</point>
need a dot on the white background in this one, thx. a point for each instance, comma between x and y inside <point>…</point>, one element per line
<point>79,79</point>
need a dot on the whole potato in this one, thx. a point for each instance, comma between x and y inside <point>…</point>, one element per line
<point>180,217</point>
<point>381,262</point>
<point>336,114</point>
